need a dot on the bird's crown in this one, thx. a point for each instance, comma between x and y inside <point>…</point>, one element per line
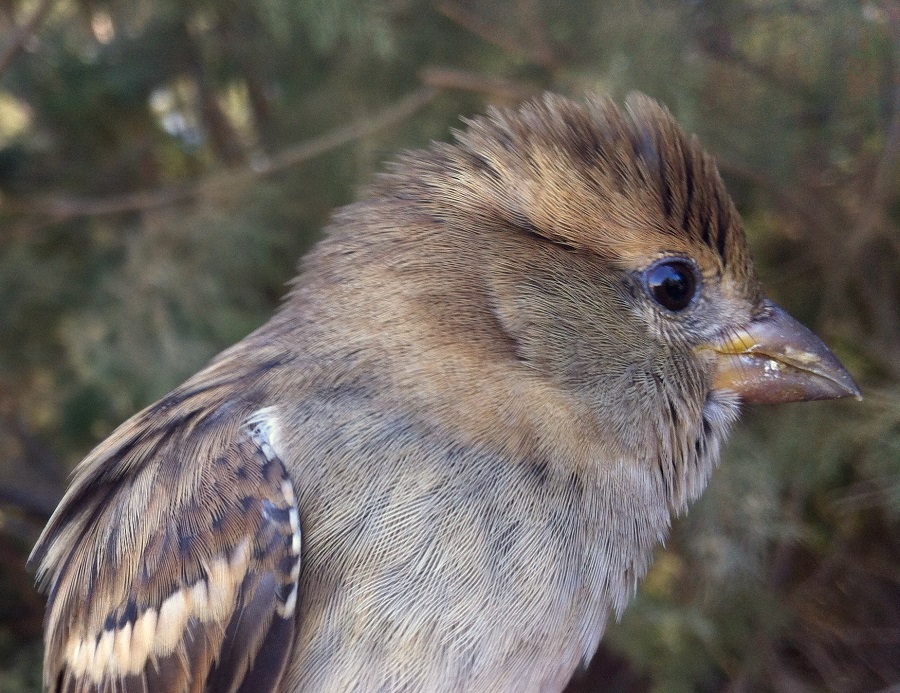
<point>626,184</point>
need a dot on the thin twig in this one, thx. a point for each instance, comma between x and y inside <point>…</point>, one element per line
<point>21,35</point>
<point>530,18</point>
<point>450,78</point>
<point>62,209</point>
<point>492,33</point>
<point>717,47</point>
<point>360,129</point>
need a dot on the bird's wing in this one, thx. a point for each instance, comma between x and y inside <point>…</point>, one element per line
<point>173,563</point>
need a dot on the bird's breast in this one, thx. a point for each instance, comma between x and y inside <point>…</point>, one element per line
<point>447,565</point>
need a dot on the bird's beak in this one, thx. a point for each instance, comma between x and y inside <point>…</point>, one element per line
<point>776,359</point>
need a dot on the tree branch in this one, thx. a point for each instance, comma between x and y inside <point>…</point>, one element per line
<point>539,54</point>
<point>62,209</point>
<point>450,78</point>
<point>21,35</point>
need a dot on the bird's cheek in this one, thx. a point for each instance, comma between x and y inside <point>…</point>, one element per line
<point>776,359</point>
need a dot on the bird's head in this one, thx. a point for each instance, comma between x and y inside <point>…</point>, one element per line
<point>616,265</point>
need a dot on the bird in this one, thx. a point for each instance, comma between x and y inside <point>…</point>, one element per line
<point>446,460</point>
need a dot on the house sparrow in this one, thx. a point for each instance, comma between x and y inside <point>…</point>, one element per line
<point>446,460</point>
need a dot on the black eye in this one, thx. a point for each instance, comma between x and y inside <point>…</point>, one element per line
<point>672,283</point>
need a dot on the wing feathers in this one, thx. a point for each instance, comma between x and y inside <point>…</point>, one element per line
<point>197,593</point>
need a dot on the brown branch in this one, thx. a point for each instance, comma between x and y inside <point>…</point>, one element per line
<point>716,45</point>
<point>223,136</point>
<point>21,35</point>
<point>530,17</point>
<point>62,209</point>
<point>394,113</point>
<point>447,78</point>
<point>494,34</point>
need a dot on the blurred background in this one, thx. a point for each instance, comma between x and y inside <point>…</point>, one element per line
<point>163,165</point>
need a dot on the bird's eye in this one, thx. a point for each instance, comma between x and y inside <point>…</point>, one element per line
<point>672,283</point>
